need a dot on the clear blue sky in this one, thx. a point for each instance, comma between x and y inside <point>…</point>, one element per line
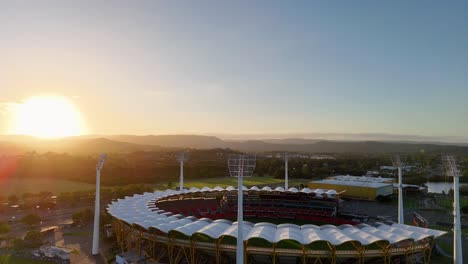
<point>153,67</point>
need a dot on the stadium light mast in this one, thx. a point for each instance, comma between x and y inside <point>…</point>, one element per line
<point>97,205</point>
<point>240,166</point>
<point>181,158</point>
<point>452,170</point>
<point>286,180</point>
<point>397,163</point>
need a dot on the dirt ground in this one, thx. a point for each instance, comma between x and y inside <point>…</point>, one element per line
<point>78,240</point>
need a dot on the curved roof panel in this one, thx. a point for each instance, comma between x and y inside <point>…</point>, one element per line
<point>218,188</point>
<point>279,189</point>
<point>206,189</point>
<point>140,211</point>
<point>215,229</point>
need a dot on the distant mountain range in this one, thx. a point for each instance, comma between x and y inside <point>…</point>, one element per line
<point>73,145</point>
<point>132,143</point>
<point>379,137</point>
<point>177,141</point>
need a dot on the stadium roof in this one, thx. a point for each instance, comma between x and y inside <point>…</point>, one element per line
<point>139,210</point>
<point>361,178</point>
<point>354,183</point>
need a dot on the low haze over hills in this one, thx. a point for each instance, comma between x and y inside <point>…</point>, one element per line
<point>133,143</point>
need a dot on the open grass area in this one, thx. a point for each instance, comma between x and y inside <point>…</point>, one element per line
<point>251,181</point>
<point>20,186</point>
<point>447,202</point>
<point>9,259</point>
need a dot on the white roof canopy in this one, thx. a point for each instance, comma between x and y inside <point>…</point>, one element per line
<point>137,210</point>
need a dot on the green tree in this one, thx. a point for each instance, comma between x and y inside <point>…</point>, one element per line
<point>84,216</point>
<point>305,170</point>
<point>4,228</point>
<point>33,239</point>
<point>27,196</point>
<point>31,219</point>
<point>13,199</point>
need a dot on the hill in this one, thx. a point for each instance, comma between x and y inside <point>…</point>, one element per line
<point>177,141</point>
<point>75,146</point>
<point>291,144</point>
<point>132,143</point>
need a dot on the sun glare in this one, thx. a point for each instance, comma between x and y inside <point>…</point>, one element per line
<point>47,117</point>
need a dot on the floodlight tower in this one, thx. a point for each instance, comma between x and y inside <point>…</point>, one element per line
<point>286,180</point>
<point>240,166</point>
<point>181,158</point>
<point>397,163</point>
<point>452,170</point>
<point>97,205</point>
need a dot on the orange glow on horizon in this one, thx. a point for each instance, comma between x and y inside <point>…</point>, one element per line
<point>47,117</point>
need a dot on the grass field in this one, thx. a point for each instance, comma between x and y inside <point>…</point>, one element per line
<point>251,181</point>
<point>448,202</point>
<point>20,186</point>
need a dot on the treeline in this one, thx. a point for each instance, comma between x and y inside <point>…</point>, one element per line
<point>320,168</point>
<point>161,167</point>
<point>119,169</point>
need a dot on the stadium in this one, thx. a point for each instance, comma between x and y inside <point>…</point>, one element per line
<point>194,226</point>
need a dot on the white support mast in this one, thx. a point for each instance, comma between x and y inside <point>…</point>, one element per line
<point>240,166</point>
<point>397,163</point>
<point>97,205</point>
<point>452,170</point>
<point>240,214</point>
<point>181,158</point>
<point>286,180</point>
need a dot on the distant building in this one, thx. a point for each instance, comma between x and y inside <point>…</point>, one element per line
<point>361,178</point>
<point>355,187</point>
<point>372,173</point>
<point>405,168</point>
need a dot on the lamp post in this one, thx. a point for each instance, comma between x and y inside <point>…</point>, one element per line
<point>452,170</point>
<point>240,166</point>
<point>97,206</point>
<point>286,180</point>
<point>181,158</point>
<point>397,163</point>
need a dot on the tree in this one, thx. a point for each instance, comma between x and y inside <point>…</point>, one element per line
<point>305,170</point>
<point>27,196</point>
<point>31,219</point>
<point>32,239</point>
<point>4,228</point>
<point>464,209</point>
<point>13,199</point>
<point>33,235</point>
<point>84,216</point>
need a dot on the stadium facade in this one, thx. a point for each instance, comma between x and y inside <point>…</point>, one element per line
<point>141,225</point>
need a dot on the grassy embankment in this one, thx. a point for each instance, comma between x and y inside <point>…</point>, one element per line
<point>250,181</point>
<point>20,186</point>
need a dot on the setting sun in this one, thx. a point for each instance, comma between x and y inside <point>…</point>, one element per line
<point>47,117</point>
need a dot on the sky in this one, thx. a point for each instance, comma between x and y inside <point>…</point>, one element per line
<point>236,67</point>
